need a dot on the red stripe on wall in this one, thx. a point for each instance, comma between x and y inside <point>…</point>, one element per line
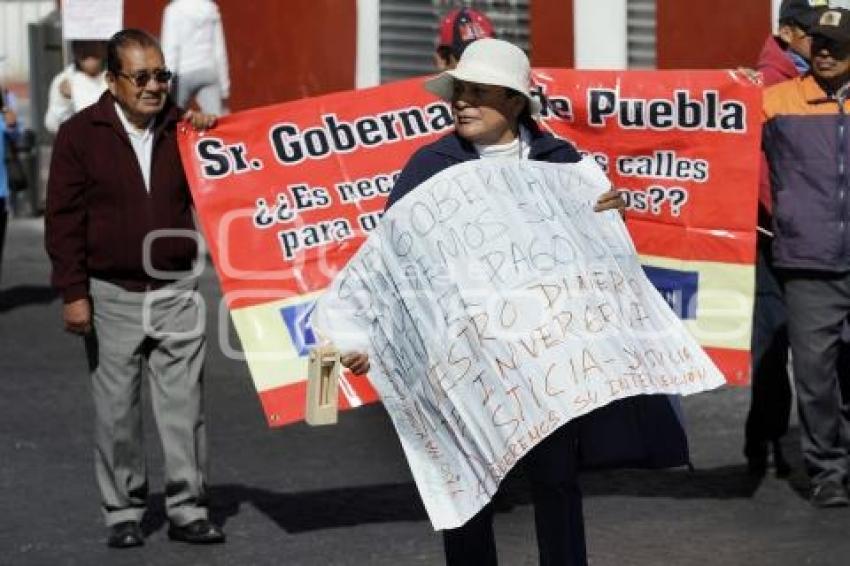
<point>277,50</point>
<point>552,38</point>
<point>711,34</point>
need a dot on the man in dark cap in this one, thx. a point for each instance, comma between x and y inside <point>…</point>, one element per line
<point>807,144</point>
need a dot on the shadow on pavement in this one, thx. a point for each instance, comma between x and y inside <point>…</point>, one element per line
<point>23,295</point>
<point>725,482</point>
<point>325,509</point>
<point>345,507</point>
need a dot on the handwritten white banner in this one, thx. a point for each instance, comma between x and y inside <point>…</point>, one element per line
<point>495,306</point>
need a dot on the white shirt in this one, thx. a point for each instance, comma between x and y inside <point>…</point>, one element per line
<point>520,148</point>
<point>85,91</point>
<point>142,142</point>
<point>193,40</point>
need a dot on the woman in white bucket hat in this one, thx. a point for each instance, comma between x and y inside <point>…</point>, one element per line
<point>494,117</point>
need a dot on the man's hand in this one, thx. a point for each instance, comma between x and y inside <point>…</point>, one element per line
<point>357,362</point>
<point>199,120</point>
<point>611,200</point>
<point>77,316</point>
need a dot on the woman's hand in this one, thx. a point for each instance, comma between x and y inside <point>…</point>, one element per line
<point>611,200</point>
<point>357,362</point>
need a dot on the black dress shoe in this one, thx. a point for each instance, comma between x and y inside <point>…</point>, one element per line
<point>201,531</point>
<point>125,535</point>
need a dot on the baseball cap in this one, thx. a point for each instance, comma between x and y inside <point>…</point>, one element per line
<point>833,24</point>
<point>462,26</point>
<point>802,12</point>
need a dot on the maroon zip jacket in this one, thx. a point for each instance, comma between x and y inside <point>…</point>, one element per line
<point>775,67</point>
<point>99,212</point>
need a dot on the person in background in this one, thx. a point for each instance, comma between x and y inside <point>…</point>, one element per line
<point>458,29</point>
<point>121,239</point>
<point>195,51</point>
<point>79,85</point>
<point>807,145</point>
<point>8,128</point>
<point>784,56</point>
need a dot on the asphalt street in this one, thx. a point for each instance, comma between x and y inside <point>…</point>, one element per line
<point>343,494</point>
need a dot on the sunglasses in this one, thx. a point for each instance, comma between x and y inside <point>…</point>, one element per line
<point>143,77</point>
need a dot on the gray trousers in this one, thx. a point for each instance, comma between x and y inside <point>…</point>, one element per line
<point>818,310</point>
<point>204,86</point>
<point>161,333</point>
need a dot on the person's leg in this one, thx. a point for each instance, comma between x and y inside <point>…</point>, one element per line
<point>473,544</point>
<point>183,89</point>
<point>203,86</point>
<point>114,353</point>
<point>208,97</point>
<point>817,308</point>
<point>176,374</point>
<point>770,403</point>
<point>552,469</point>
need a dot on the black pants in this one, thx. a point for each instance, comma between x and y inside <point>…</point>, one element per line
<point>552,470</point>
<point>770,403</point>
<point>818,325</point>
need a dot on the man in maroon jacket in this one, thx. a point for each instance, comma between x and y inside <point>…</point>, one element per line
<point>120,235</point>
<point>783,57</point>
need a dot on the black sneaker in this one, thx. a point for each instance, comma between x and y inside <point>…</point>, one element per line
<point>830,494</point>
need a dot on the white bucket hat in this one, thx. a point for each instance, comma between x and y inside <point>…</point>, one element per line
<point>491,62</point>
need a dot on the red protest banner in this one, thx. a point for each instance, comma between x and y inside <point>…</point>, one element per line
<point>287,193</point>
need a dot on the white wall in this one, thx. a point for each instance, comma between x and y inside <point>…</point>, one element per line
<point>601,40</point>
<point>368,67</point>
<point>14,35</point>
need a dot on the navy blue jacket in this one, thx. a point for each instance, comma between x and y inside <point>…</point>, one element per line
<point>452,149</point>
<point>645,431</point>
<point>806,138</point>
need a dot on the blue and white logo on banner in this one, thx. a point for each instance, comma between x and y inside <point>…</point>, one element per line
<point>297,319</point>
<point>679,289</point>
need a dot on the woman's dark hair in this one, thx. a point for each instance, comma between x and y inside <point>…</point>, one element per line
<point>126,38</point>
<point>83,49</point>
<point>524,117</point>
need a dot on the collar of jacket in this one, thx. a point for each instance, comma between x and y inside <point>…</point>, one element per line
<point>813,93</point>
<point>457,148</point>
<point>104,113</point>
